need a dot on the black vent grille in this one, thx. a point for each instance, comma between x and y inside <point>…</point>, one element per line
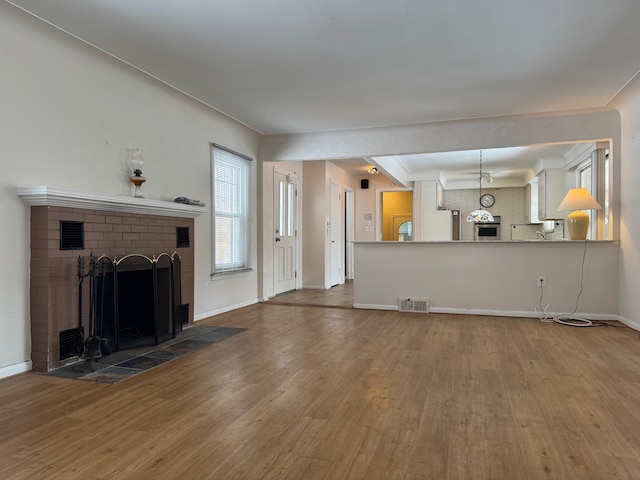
<point>182,237</point>
<point>71,343</point>
<point>71,235</point>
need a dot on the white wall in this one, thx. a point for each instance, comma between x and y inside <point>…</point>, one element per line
<point>68,114</point>
<point>446,136</point>
<point>430,224</point>
<point>315,212</point>
<point>316,208</point>
<point>628,102</point>
<point>493,278</point>
<point>365,200</point>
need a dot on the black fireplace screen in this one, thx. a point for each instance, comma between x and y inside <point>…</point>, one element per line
<point>135,300</point>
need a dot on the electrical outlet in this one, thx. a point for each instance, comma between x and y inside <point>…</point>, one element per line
<point>542,282</point>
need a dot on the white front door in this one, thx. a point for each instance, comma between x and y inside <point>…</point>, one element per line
<point>335,233</point>
<point>285,192</point>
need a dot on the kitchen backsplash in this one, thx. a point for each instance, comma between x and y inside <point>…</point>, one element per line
<point>509,206</point>
<point>529,231</point>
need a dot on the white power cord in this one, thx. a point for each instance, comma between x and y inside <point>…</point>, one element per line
<point>566,318</point>
<point>543,313</point>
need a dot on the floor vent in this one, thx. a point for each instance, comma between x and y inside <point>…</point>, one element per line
<point>420,305</point>
<point>71,343</point>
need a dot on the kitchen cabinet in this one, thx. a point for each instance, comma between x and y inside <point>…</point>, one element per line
<point>439,196</point>
<point>531,201</point>
<point>551,191</point>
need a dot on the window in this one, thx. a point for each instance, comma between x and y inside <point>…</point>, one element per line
<point>230,200</point>
<point>593,174</point>
<point>585,173</point>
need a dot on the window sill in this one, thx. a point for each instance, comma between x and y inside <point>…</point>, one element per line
<point>231,273</point>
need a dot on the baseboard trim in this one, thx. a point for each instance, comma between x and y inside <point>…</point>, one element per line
<point>218,311</point>
<point>499,313</point>
<point>372,306</point>
<point>523,314</point>
<point>629,323</point>
<point>315,287</point>
<point>15,369</point>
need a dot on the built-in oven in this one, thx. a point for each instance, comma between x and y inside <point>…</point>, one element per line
<point>488,231</point>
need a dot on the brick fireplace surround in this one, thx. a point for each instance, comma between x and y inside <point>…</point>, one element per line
<point>114,226</point>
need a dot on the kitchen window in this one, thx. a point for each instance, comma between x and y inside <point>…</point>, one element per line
<point>593,174</point>
<point>584,174</point>
<point>230,211</point>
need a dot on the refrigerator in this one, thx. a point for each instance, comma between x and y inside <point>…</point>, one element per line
<point>456,225</point>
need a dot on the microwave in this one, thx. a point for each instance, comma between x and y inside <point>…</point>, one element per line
<point>488,231</point>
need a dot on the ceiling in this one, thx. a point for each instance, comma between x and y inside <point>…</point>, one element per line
<point>290,66</point>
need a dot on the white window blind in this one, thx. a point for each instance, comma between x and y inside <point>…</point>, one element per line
<point>230,200</point>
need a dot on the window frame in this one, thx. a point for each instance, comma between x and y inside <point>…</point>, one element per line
<point>241,190</point>
<point>586,177</point>
<point>598,184</point>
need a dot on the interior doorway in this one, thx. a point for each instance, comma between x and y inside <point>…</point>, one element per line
<point>285,194</point>
<point>396,215</point>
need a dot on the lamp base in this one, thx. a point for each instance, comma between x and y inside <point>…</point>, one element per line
<point>578,223</point>
<point>138,180</point>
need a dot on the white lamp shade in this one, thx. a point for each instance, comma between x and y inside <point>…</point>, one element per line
<point>578,199</point>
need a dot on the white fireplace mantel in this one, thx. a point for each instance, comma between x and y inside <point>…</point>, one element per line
<point>62,197</point>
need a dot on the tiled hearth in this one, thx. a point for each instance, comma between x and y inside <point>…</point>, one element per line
<point>113,226</point>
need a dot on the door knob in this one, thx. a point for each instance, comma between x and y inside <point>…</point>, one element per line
<point>277,239</point>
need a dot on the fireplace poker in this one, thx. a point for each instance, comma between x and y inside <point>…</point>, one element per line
<point>92,344</point>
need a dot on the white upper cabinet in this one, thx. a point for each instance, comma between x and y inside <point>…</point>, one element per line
<point>551,191</point>
<point>531,201</point>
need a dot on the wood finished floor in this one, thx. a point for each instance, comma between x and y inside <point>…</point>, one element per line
<point>327,393</point>
<point>340,296</point>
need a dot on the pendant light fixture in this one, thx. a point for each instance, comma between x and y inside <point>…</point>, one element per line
<point>480,215</point>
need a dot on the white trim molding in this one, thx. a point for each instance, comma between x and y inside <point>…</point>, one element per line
<point>61,197</point>
<point>15,369</point>
<point>218,311</point>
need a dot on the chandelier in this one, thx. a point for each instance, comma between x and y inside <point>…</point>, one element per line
<point>480,215</point>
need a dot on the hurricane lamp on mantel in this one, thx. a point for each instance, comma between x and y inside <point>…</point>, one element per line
<point>137,162</point>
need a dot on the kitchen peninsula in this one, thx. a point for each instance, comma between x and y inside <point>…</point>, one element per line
<point>490,278</point>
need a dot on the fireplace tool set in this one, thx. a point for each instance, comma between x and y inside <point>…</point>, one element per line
<point>94,346</point>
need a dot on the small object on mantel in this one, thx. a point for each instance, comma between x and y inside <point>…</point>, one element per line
<point>189,201</point>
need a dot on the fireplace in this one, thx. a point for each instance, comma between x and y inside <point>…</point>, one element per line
<point>112,227</point>
<point>134,300</point>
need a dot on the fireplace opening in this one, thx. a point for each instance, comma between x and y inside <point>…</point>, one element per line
<point>133,300</point>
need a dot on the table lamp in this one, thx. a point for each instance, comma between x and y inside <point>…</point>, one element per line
<point>577,200</point>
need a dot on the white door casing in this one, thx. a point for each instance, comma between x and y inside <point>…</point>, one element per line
<point>349,233</point>
<point>335,232</point>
